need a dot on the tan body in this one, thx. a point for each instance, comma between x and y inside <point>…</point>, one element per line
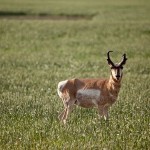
<point>89,93</point>
<point>70,93</point>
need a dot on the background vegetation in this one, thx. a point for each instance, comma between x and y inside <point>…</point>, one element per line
<point>43,42</point>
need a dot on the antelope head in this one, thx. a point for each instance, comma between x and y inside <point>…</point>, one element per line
<point>116,69</point>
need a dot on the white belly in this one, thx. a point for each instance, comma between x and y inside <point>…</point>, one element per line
<point>88,97</point>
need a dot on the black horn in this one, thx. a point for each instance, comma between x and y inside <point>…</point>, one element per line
<point>108,59</point>
<point>123,61</point>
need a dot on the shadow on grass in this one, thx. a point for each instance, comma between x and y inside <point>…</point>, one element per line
<point>9,13</point>
<point>46,16</point>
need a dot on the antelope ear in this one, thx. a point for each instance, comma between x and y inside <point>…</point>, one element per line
<point>110,64</point>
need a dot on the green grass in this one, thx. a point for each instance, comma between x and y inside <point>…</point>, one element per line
<point>36,54</point>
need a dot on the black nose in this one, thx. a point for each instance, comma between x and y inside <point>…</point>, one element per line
<point>117,76</point>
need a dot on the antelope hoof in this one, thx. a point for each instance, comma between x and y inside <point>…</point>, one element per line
<point>64,122</point>
<point>106,118</point>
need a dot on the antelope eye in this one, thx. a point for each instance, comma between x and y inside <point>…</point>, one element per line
<point>113,67</point>
<point>121,67</point>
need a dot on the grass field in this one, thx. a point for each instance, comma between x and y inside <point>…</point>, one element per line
<point>37,53</point>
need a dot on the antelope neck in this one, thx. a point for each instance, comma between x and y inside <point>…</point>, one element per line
<point>114,85</point>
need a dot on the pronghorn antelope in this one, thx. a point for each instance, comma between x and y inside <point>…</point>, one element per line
<point>88,93</point>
